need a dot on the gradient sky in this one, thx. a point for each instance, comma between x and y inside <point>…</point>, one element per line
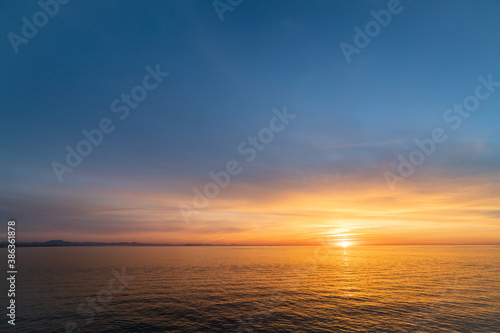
<point>320,179</point>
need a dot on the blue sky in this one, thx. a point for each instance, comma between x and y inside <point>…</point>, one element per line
<point>353,119</point>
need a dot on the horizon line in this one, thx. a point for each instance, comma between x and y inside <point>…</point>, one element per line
<point>124,243</point>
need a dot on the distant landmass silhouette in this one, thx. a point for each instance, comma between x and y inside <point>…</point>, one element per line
<point>60,242</point>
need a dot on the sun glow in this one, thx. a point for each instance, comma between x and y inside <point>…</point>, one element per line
<point>344,244</point>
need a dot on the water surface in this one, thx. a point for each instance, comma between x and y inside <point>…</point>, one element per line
<point>259,289</point>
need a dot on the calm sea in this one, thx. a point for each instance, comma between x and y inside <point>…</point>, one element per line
<point>257,289</point>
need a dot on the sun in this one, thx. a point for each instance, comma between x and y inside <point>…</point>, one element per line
<point>344,244</point>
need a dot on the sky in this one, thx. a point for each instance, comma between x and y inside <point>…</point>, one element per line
<point>307,118</point>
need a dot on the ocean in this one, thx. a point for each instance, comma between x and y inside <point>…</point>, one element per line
<point>257,289</point>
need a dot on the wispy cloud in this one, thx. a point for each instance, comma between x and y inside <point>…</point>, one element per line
<point>362,144</point>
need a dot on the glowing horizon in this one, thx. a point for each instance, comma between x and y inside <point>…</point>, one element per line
<point>359,213</point>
